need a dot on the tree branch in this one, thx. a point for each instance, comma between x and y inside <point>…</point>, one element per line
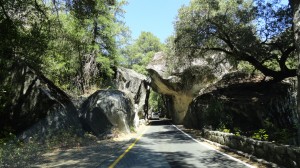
<point>3,9</point>
<point>287,53</point>
<point>285,56</point>
<point>37,6</point>
<point>277,75</point>
<point>219,49</point>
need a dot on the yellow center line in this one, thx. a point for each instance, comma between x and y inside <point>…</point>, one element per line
<point>127,150</point>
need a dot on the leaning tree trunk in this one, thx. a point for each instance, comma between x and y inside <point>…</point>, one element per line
<point>146,105</point>
<point>295,4</point>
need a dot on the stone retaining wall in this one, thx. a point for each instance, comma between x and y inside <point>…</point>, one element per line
<point>283,155</point>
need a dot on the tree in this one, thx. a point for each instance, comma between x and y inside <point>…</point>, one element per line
<point>24,36</point>
<point>123,33</point>
<point>141,52</point>
<point>72,42</point>
<point>97,19</point>
<point>295,5</point>
<point>156,102</point>
<point>258,32</point>
<point>83,49</point>
<point>23,33</point>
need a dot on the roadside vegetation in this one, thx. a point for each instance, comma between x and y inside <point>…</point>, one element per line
<point>255,36</point>
<point>16,153</point>
<point>77,45</point>
<point>258,33</point>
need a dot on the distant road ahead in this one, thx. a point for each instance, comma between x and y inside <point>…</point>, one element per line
<point>163,145</point>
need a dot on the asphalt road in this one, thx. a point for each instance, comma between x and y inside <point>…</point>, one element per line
<point>163,145</point>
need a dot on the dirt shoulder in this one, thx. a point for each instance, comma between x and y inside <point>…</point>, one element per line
<point>90,155</point>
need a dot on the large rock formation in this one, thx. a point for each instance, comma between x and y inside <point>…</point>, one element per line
<point>33,105</point>
<point>186,84</point>
<point>136,86</point>
<point>105,110</point>
<point>242,102</point>
<point>116,109</point>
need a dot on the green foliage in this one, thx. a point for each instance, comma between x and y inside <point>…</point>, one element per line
<point>197,73</point>
<point>72,42</point>
<point>156,101</point>
<point>24,34</point>
<point>223,128</point>
<point>280,135</point>
<point>83,47</point>
<point>216,117</point>
<point>172,60</point>
<point>245,66</point>
<point>237,131</point>
<point>226,130</point>
<point>132,129</point>
<point>260,134</point>
<point>23,31</point>
<point>283,136</point>
<point>141,52</point>
<point>258,32</point>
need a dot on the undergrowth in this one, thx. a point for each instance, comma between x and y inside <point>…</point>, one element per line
<point>17,153</point>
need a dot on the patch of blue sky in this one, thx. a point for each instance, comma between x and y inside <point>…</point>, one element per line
<point>155,16</point>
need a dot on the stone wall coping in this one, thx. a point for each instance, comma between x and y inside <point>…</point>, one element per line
<point>281,154</point>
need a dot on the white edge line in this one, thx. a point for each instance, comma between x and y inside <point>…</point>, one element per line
<point>207,146</point>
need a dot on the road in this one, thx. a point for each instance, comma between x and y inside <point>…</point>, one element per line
<point>164,145</point>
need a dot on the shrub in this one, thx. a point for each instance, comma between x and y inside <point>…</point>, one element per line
<point>237,131</point>
<point>223,129</point>
<point>260,134</point>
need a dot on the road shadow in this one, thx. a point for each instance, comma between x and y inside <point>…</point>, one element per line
<point>170,136</point>
<point>209,159</point>
<point>143,156</point>
<point>178,157</point>
<point>160,122</point>
<point>214,159</point>
<point>169,133</point>
<point>88,157</point>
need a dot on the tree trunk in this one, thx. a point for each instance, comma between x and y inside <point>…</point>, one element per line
<point>146,105</point>
<point>295,4</point>
<point>81,78</point>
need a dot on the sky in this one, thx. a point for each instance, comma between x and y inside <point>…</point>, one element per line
<point>155,16</point>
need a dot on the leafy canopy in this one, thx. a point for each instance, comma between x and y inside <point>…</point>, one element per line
<point>73,42</point>
<point>83,46</point>
<point>141,52</point>
<point>256,31</point>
